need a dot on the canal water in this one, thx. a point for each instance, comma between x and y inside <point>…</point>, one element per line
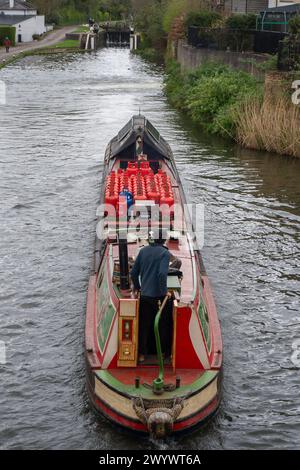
<point>61,112</point>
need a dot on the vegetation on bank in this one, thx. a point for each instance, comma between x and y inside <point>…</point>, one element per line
<point>7,31</point>
<point>272,125</point>
<point>219,99</point>
<point>233,104</point>
<point>148,20</point>
<point>211,95</point>
<point>62,12</point>
<point>68,44</point>
<point>156,20</point>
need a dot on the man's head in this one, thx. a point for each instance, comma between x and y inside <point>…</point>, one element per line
<point>157,236</point>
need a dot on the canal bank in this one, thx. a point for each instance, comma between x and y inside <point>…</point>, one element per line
<point>237,105</point>
<point>61,112</point>
<point>235,94</point>
<point>36,47</point>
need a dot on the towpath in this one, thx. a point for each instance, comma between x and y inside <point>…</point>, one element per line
<point>50,40</point>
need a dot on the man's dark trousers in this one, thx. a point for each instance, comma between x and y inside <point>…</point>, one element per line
<point>148,309</point>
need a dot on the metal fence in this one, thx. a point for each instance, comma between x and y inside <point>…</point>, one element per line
<point>289,55</point>
<point>235,39</point>
<point>267,41</point>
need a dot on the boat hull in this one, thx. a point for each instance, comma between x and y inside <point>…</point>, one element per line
<point>117,407</point>
<point>122,388</point>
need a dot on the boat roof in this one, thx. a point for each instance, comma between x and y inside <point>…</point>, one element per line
<point>139,126</point>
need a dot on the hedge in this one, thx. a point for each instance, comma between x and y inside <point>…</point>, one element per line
<point>8,31</point>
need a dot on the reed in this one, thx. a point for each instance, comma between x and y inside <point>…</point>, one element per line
<point>272,125</point>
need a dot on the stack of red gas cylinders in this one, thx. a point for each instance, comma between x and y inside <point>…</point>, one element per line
<point>141,182</point>
<point>165,188</point>
<point>112,189</point>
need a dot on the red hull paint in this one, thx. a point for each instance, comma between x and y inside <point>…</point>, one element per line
<point>183,343</point>
<point>185,425</point>
<point>188,424</point>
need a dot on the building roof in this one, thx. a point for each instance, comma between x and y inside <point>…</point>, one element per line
<point>19,5</point>
<point>14,19</point>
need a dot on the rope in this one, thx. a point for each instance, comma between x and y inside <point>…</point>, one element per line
<point>158,415</point>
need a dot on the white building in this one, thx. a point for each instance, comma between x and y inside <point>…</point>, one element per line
<point>282,3</point>
<point>23,17</point>
<point>254,6</point>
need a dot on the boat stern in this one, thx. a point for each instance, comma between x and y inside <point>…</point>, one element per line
<point>189,399</point>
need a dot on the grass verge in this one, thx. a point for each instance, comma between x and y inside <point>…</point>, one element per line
<point>67,43</point>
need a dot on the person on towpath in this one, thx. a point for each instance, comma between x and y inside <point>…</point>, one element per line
<point>7,44</point>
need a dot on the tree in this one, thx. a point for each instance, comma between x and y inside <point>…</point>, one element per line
<point>116,9</point>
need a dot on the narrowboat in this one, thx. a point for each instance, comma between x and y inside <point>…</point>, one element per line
<point>160,394</point>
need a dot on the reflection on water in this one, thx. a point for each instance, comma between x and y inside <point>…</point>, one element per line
<point>61,113</point>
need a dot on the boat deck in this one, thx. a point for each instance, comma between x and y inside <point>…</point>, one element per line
<point>149,373</point>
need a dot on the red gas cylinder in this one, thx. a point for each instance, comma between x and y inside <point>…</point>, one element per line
<point>140,197</point>
<point>152,189</point>
<point>169,200</point>
<point>146,171</point>
<point>124,182</point>
<point>112,189</point>
<point>145,168</point>
<point>139,188</point>
<point>153,196</point>
<point>132,168</point>
<point>111,199</point>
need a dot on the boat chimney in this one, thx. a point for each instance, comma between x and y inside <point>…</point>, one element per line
<point>124,268</point>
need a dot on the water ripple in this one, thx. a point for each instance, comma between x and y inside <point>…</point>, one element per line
<point>61,113</point>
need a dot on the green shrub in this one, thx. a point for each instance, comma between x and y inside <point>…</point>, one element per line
<point>237,21</point>
<point>8,31</point>
<point>294,24</point>
<point>203,19</point>
<point>37,37</point>
<point>149,21</point>
<point>150,54</point>
<point>214,93</point>
<point>70,15</point>
<point>174,9</point>
<point>54,17</point>
<point>211,94</point>
<point>175,85</point>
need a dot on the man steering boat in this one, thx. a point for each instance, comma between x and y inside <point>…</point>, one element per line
<point>149,276</point>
